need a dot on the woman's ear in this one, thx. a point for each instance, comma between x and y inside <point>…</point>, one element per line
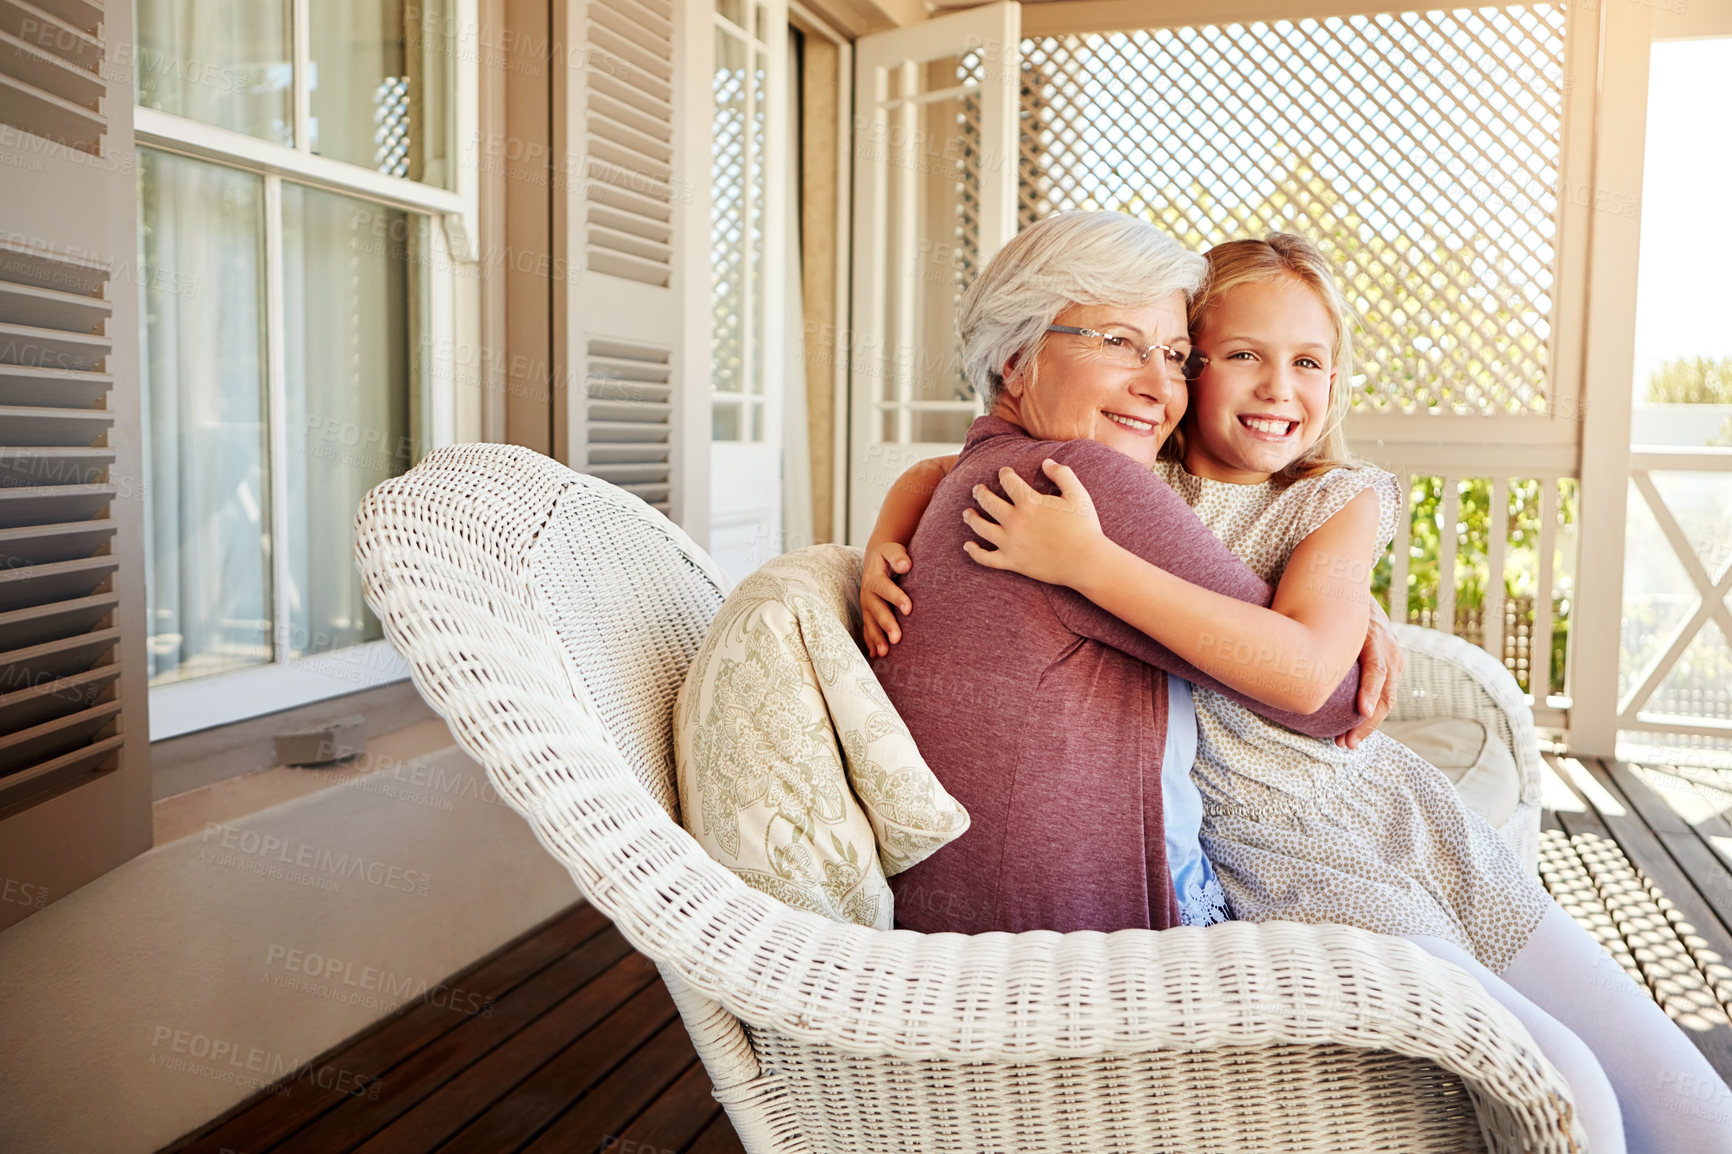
<point>1012,377</point>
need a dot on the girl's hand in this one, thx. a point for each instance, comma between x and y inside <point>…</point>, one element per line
<point>1049,537</point>
<point>878,592</point>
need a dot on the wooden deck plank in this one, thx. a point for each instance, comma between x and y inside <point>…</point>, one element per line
<point>268,1118</point>
<point>1660,940</point>
<point>437,1062</point>
<point>1707,822</point>
<point>670,1123</point>
<point>718,1138</point>
<point>539,1100</point>
<point>621,1096</point>
<point>438,1117</point>
<point>1656,811</point>
<point>1714,882</point>
<point>1650,845</point>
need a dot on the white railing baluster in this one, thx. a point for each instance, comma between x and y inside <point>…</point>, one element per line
<point>1492,635</point>
<point>1398,551</point>
<point>1449,509</point>
<point>1540,640</point>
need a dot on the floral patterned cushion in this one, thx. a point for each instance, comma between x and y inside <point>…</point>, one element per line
<point>794,769</point>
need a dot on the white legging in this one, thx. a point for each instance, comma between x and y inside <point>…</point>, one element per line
<point>1639,1083</point>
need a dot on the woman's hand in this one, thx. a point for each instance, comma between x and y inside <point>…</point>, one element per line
<point>885,561</point>
<point>1049,537</point>
<point>1380,668</point>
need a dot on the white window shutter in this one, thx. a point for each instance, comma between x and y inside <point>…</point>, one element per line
<point>617,236</point>
<point>74,753</point>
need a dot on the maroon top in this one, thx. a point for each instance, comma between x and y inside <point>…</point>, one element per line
<point>1044,714</point>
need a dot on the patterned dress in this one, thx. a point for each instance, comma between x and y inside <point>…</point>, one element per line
<point>1303,830</point>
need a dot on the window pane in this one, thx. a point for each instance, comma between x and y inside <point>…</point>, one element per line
<point>207,584</point>
<point>346,305</point>
<point>223,62</point>
<point>725,420</point>
<point>380,77</point>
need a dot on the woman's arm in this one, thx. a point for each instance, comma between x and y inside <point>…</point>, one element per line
<point>1290,655</point>
<point>887,552</point>
<point>1141,512</point>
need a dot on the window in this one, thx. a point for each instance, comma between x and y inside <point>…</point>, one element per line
<point>738,142</point>
<point>294,172</point>
<point>755,366</point>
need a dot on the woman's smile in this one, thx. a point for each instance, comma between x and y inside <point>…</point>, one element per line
<point>1132,423</point>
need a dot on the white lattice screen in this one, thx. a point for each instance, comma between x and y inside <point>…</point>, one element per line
<point>1421,149</point>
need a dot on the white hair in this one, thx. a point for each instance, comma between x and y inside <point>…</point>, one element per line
<point>1069,258</point>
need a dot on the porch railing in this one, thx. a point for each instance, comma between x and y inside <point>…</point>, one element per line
<point>1679,689</point>
<point>1491,559</point>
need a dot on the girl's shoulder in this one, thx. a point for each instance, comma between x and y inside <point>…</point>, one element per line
<point>1347,482</point>
<point>1311,501</point>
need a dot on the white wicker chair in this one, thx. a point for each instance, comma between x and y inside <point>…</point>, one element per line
<point>1449,677</point>
<point>550,617</point>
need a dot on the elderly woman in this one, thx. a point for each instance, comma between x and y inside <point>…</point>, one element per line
<point>1046,716</point>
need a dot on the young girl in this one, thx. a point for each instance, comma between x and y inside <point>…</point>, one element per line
<point>1300,829</point>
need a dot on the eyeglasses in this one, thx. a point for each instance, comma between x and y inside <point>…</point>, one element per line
<point>1124,353</point>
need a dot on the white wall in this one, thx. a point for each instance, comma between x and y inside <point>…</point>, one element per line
<point>403,873</point>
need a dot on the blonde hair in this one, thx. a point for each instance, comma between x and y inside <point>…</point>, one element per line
<point>1082,258</point>
<point>1279,256</point>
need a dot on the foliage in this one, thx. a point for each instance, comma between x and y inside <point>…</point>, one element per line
<point>1472,565</point>
<point>1692,381</point>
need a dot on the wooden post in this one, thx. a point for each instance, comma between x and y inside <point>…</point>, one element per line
<point>1620,127</point>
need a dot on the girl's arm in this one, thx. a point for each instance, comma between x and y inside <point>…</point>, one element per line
<point>887,552</point>
<point>1290,656</point>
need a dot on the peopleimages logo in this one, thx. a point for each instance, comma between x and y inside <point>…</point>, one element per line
<point>312,972</point>
<point>240,1064</point>
<point>248,848</point>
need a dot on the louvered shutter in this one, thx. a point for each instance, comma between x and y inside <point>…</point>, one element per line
<point>51,82</point>
<point>74,772</point>
<point>628,131</point>
<point>628,417</point>
<point>618,338</point>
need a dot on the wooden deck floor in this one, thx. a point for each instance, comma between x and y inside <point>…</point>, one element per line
<point>1642,855</point>
<point>573,1045</point>
<point>581,1048</point>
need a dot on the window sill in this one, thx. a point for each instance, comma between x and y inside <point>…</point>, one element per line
<point>395,755</point>
<point>210,756</point>
<point>223,699</point>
